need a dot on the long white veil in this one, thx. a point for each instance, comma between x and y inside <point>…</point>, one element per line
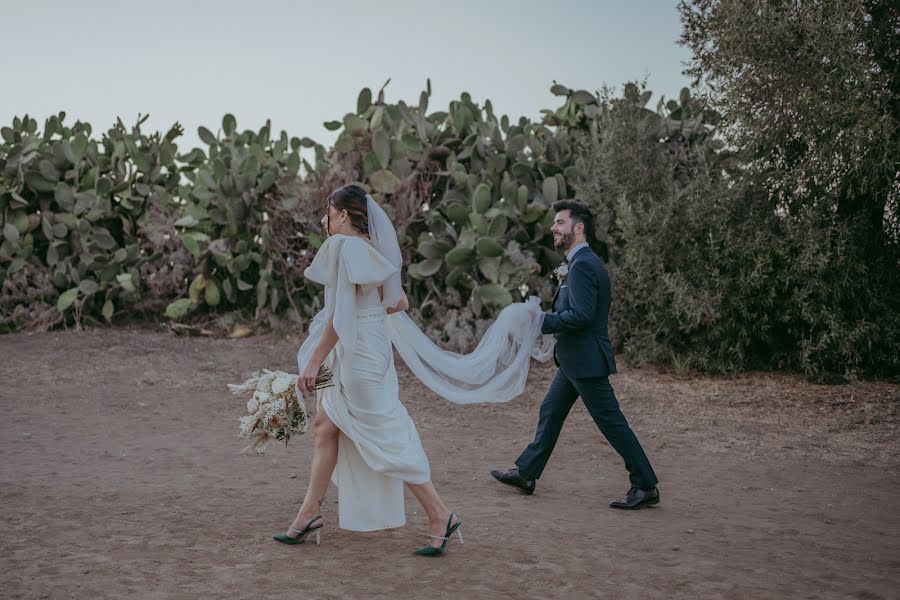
<point>495,371</point>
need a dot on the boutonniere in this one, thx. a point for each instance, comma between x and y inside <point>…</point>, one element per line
<point>561,271</point>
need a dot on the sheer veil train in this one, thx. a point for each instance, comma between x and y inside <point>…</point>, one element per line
<point>495,371</point>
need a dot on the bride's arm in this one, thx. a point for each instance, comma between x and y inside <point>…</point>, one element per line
<point>402,305</point>
<point>307,379</point>
<point>326,344</point>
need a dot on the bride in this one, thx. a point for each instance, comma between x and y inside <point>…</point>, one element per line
<point>365,441</point>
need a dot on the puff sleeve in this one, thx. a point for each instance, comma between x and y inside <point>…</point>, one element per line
<point>342,263</point>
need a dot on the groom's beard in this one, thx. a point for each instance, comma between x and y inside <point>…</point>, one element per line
<point>564,241</point>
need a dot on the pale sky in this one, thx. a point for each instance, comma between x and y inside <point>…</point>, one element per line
<point>300,63</point>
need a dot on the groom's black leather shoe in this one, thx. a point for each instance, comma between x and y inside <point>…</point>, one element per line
<point>637,498</point>
<point>514,479</point>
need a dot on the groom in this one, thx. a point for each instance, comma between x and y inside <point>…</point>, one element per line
<point>585,359</point>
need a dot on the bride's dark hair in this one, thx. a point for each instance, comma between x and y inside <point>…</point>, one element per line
<point>352,198</point>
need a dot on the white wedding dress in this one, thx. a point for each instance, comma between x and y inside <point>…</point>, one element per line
<point>379,448</point>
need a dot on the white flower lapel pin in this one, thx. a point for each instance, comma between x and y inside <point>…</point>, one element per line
<point>561,271</point>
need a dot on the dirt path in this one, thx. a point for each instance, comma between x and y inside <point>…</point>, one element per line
<point>120,477</point>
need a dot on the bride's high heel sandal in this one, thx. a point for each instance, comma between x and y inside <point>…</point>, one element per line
<point>451,529</point>
<point>301,535</point>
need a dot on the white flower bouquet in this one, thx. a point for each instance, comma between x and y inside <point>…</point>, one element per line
<point>274,409</point>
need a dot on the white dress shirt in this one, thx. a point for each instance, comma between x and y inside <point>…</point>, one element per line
<point>574,249</point>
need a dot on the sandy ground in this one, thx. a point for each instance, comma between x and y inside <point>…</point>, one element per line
<point>121,477</point>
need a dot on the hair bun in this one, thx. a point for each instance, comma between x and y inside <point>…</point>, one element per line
<point>352,198</point>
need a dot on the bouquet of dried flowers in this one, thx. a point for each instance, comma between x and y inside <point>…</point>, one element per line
<point>275,410</point>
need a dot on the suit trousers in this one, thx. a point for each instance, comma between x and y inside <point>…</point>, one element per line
<point>601,403</point>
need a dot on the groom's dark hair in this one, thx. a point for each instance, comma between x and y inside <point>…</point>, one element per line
<point>582,214</point>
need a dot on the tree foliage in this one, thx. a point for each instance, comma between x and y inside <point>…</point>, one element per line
<point>770,242</point>
<point>810,91</point>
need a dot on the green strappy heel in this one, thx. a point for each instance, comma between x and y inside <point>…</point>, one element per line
<point>301,535</point>
<point>451,529</point>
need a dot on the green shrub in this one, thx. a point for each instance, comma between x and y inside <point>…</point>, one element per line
<point>708,275</point>
<point>76,218</point>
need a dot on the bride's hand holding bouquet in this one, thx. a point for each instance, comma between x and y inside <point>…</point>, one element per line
<point>313,377</point>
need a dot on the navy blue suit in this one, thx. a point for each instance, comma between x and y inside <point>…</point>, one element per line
<point>585,359</point>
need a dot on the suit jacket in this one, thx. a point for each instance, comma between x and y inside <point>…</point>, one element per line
<point>580,319</point>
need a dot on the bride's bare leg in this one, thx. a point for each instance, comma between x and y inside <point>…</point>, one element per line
<point>325,451</point>
<point>437,512</point>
